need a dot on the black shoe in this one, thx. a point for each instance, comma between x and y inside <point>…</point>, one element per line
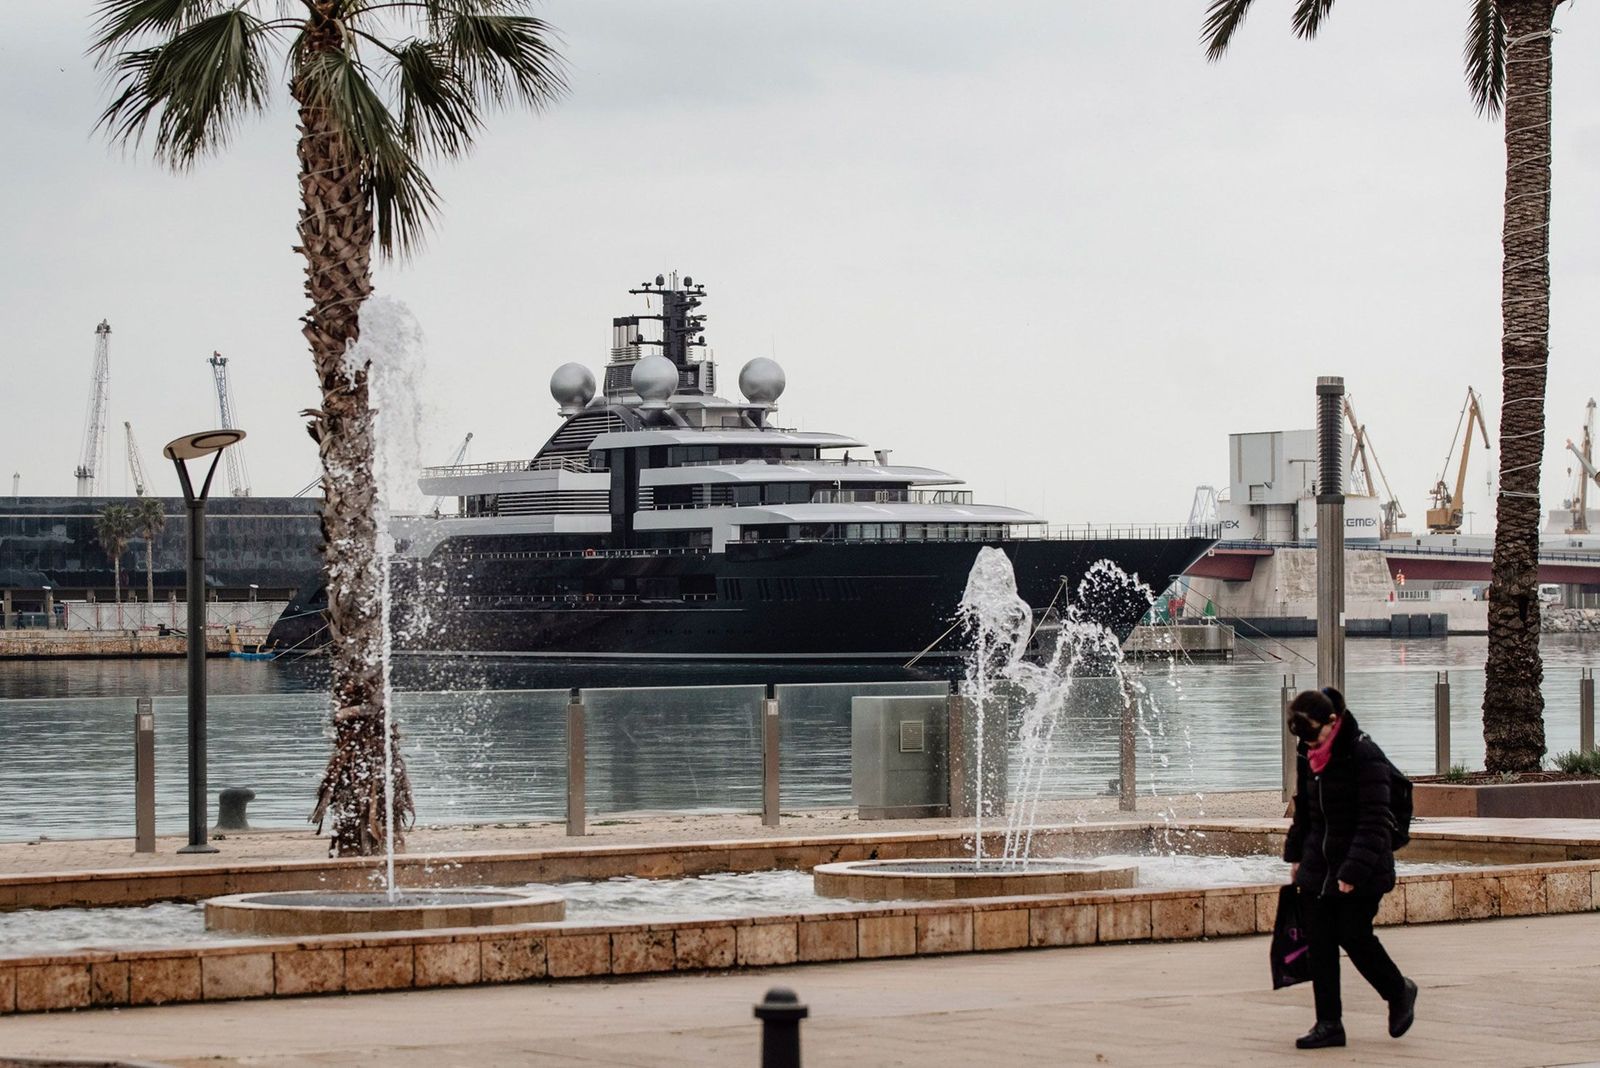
<point>1403,1010</point>
<point>1321,1036</point>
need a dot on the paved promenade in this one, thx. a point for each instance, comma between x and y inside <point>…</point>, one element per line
<point>104,854</point>
<point>1502,992</point>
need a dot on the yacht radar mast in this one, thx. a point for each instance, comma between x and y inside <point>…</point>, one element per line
<point>682,331</point>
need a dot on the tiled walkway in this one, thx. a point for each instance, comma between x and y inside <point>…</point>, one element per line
<point>1503,992</point>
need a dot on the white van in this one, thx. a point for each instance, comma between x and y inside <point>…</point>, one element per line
<point>1549,593</point>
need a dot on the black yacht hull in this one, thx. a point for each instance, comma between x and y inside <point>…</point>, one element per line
<point>883,602</point>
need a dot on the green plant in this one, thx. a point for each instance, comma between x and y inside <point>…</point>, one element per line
<point>1457,773</point>
<point>1578,762</point>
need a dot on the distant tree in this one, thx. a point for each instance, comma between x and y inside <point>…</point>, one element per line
<point>150,518</point>
<point>1508,65</point>
<point>115,527</point>
<point>378,86</point>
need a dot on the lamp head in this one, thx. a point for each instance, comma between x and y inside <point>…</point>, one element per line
<point>204,443</point>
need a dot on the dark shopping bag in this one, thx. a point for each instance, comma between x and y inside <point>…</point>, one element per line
<point>1291,944</point>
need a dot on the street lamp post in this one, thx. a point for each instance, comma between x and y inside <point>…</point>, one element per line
<point>192,447</point>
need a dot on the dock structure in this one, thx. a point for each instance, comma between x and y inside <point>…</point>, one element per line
<point>1208,640</point>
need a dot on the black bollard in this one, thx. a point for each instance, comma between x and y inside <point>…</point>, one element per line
<point>780,1015</point>
<point>230,808</point>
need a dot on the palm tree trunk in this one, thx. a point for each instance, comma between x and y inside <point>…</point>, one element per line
<point>1513,704</point>
<point>116,576</point>
<point>150,567</point>
<point>336,232</point>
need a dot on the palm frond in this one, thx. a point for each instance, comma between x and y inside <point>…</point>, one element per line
<point>120,23</point>
<point>506,58</point>
<point>197,86</point>
<point>1223,19</point>
<point>1485,57</point>
<point>1309,17</point>
<point>402,197</point>
<point>438,110</point>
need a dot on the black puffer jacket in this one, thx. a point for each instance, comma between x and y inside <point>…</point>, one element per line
<point>1342,820</point>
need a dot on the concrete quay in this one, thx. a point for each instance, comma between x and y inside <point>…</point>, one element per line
<point>1508,992</point>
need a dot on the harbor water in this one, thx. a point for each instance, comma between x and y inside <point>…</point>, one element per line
<point>486,742</point>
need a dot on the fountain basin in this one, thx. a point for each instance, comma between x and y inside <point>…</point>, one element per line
<point>937,879</point>
<point>306,912</point>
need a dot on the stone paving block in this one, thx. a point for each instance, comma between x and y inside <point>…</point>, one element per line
<point>703,947</point>
<point>47,987</point>
<point>509,960</point>
<point>378,968</point>
<point>108,983</point>
<point>1392,909</point>
<point>1173,918</point>
<point>1476,899</point>
<point>308,971</point>
<point>1124,921</point>
<point>1568,891</point>
<point>827,940</point>
<point>1230,914</point>
<point>1000,929</point>
<point>1063,925</point>
<point>448,963</point>
<point>635,952</point>
<point>1266,913</point>
<point>8,991</point>
<point>164,980</point>
<point>767,943</point>
<point>1429,901</point>
<point>576,955</point>
<point>944,932</point>
<point>1522,895</point>
<point>238,975</point>
<point>886,936</point>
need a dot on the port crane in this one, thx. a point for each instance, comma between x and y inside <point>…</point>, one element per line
<point>1587,473</point>
<point>1446,514</point>
<point>92,460</point>
<point>238,474</point>
<point>1363,458</point>
<point>460,456</point>
<point>141,481</point>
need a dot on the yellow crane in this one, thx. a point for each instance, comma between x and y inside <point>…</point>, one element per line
<point>1580,497</point>
<point>1363,457</point>
<point>1446,514</point>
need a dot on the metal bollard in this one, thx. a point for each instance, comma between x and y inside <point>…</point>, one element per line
<point>144,776</point>
<point>770,736</point>
<point>1128,755</point>
<point>1586,711</point>
<point>780,1015</point>
<point>1441,724</point>
<point>1288,742</point>
<point>576,758</point>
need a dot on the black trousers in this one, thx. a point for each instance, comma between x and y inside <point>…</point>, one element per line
<point>1345,920</point>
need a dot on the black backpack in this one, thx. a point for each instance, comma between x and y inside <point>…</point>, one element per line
<point>1400,807</point>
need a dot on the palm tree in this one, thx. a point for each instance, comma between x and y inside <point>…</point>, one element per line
<point>1508,65</point>
<point>149,518</point>
<point>114,527</point>
<point>379,87</point>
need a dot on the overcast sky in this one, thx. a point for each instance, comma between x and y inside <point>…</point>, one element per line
<point>1042,245</point>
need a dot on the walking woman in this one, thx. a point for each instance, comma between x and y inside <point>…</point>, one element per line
<point>1342,859</point>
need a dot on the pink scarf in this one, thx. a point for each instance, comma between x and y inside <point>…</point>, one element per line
<point>1318,754</point>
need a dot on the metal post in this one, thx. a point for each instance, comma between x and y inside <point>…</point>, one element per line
<point>5,610</point>
<point>1289,743</point>
<point>1127,755</point>
<point>576,759</point>
<point>144,776</point>
<point>1441,724</point>
<point>196,648</point>
<point>770,734</point>
<point>1586,711</point>
<point>780,1015</point>
<point>1330,531</point>
<point>956,753</point>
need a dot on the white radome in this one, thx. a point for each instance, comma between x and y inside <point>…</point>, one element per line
<point>762,381</point>
<point>572,385</point>
<point>654,379</point>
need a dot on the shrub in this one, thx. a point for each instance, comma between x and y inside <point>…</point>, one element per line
<point>1575,762</point>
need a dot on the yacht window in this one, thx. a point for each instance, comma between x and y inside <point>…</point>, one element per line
<point>852,531</point>
<point>746,495</point>
<point>891,531</point>
<point>935,531</point>
<point>872,531</point>
<point>914,531</point>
